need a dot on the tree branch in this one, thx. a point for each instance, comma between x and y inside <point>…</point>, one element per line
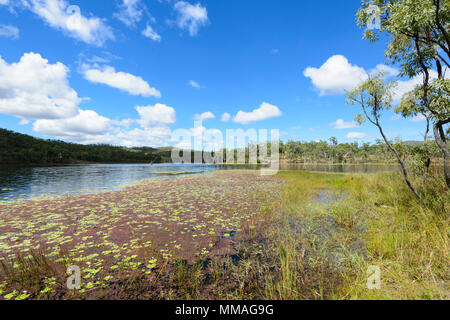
<point>443,60</point>
<point>365,111</point>
<point>439,24</point>
<point>425,41</point>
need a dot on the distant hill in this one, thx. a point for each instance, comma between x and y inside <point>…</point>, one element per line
<point>16,148</point>
<point>413,143</point>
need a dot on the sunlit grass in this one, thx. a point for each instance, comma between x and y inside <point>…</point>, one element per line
<point>378,223</point>
<point>406,238</point>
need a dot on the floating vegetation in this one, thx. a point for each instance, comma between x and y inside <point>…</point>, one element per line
<point>177,173</point>
<point>135,229</point>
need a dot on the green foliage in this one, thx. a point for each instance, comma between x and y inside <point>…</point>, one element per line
<point>374,95</point>
<point>16,148</point>
<point>435,104</point>
<point>323,152</point>
<point>359,118</point>
<point>419,41</point>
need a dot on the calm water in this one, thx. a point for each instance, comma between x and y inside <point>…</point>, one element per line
<point>47,182</point>
<point>34,182</point>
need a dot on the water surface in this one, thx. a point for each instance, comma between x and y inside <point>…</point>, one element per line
<point>22,183</point>
<point>55,181</point>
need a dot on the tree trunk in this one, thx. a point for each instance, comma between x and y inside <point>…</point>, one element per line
<point>427,169</point>
<point>442,143</point>
<point>428,161</point>
<point>400,161</point>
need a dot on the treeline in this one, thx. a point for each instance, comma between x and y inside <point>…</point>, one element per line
<point>16,148</point>
<point>416,153</point>
<point>333,152</point>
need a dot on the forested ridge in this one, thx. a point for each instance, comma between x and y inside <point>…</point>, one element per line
<point>16,148</point>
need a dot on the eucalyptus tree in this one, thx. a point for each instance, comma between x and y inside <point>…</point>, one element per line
<point>419,32</point>
<point>333,141</point>
<point>375,96</point>
<point>412,104</point>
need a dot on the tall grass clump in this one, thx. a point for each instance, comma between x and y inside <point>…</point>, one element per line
<point>330,228</point>
<point>406,238</point>
<point>315,236</point>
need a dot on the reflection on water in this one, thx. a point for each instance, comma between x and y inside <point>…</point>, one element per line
<point>47,182</point>
<point>34,182</point>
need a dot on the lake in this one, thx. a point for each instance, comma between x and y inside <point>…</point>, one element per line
<point>21,183</point>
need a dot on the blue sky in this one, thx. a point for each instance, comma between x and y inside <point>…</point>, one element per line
<point>130,72</point>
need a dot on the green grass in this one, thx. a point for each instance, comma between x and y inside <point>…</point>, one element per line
<point>406,238</point>
<point>377,223</point>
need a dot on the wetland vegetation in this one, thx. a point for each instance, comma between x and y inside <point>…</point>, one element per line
<point>233,235</point>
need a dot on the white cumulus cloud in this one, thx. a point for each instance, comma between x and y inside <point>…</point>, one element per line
<point>148,32</point>
<point>340,124</point>
<point>158,136</point>
<point>61,15</point>
<point>191,17</point>
<point>157,114</point>
<point>389,71</point>
<point>265,111</point>
<point>356,135</point>
<point>204,116</point>
<point>409,85</point>
<point>130,12</point>
<point>120,80</point>
<point>35,89</point>
<point>87,122</point>
<point>336,76</point>
<point>88,127</point>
